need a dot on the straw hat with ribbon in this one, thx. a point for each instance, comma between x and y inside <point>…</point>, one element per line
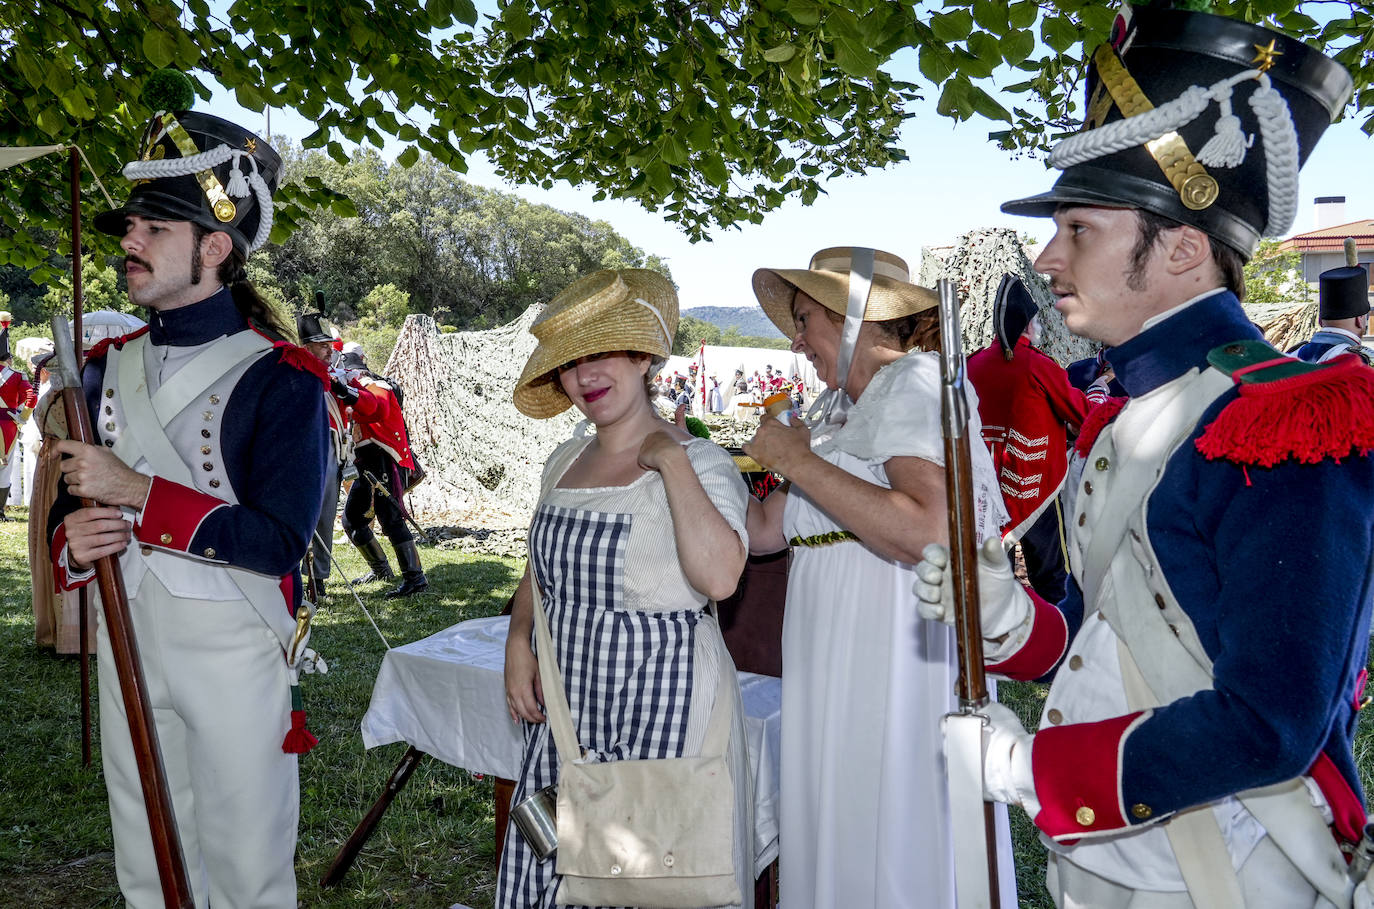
<point>622,309</point>
<point>862,284</point>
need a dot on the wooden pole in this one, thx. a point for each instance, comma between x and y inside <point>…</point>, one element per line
<point>82,597</point>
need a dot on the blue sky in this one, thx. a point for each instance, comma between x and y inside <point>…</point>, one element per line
<point>953,182</point>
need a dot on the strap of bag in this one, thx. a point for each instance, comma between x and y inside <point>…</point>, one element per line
<point>556,698</point>
<point>146,437</point>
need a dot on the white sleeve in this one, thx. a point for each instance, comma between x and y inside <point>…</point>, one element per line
<point>723,485</point>
<point>898,414</point>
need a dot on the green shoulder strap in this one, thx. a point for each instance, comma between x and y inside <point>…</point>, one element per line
<point>1237,355</point>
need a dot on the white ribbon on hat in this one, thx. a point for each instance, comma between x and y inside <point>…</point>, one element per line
<point>667,335</point>
<point>832,406</point>
<point>161,168</point>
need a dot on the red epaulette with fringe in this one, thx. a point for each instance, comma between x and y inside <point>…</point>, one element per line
<point>1097,420</point>
<point>1290,409</point>
<point>101,347</point>
<point>296,357</point>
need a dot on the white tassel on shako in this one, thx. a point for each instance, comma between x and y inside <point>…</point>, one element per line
<point>1229,143</point>
<point>238,183</point>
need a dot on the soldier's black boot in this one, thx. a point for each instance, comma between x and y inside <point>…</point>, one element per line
<point>413,578</point>
<point>4,497</point>
<point>376,561</point>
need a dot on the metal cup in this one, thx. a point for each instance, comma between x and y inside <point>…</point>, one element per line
<point>535,817</point>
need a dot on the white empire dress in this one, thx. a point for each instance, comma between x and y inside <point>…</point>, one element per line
<point>864,808</point>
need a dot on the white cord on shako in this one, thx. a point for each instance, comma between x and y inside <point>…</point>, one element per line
<point>1226,149</point>
<point>239,186</point>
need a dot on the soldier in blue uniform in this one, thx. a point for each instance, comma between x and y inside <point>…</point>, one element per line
<point>1343,310</point>
<point>1207,660</point>
<point>209,464</point>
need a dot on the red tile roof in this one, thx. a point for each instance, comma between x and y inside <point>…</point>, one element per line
<point>1332,239</point>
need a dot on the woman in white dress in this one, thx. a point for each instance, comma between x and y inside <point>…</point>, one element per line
<point>864,808</point>
<point>638,525</point>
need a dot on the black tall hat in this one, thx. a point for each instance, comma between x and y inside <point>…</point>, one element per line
<point>200,168</point>
<point>312,327</point>
<point>1198,118</point>
<point>1012,310</point>
<point>1344,292</point>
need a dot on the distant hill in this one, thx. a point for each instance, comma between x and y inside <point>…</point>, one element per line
<point>747,320</point>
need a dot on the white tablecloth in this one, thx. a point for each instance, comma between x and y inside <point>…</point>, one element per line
<point>445,695</point>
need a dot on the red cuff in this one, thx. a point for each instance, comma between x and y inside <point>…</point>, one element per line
<point>173,514</point>
<point>1077,770</point>
<point>1045,647</point>
<point>56,547</point>
<point>1346,807</point>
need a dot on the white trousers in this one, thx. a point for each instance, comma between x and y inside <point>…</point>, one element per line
<point>1268,880</point>
<point>221,701</point>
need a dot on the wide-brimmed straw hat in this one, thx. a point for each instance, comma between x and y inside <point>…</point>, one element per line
<point>826,280</point>
<point>622,309</point>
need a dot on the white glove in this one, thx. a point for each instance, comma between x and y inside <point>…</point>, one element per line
<point>1007,773</point>
<point>1004,602</point>
<point>312,662</point>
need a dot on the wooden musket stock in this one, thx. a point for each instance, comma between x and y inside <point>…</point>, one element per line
<point>171,865</point>
<point>972,684</point>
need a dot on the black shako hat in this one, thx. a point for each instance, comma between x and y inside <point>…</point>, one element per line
<point>1344,293</point>
<point>201,168</point>
<point>1012,310</point>
<point>312,327</point>
<point>1198,118</point>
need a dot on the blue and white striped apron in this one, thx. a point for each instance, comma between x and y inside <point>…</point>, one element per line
<point>628,673</point>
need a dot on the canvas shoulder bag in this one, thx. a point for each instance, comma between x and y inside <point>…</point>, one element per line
<point>656,834</point>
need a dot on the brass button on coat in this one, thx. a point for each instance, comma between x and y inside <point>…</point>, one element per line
<point>207,466</point>
<point>1102,464</point>
<point>209,553</point>
<point>214,484</point>
<point>146,550</point>
<point>1088,487</point>
<point>214,399</point>
<point>1082,519</point>
<point>109,392</point>
<point>205,449</point>
<point>1054,716</point>
<point>1085,816</point>
<point>1141,810</point>
<point>1075,662</point>
<point>205,433</point>
<point>1159,601</point>
<point>166,538</point>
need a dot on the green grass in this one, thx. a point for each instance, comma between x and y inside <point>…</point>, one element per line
<point>434,846</point>
<point>432,849</point>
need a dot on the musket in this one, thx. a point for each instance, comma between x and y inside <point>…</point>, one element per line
<point>971,686</point>
<point>385,493</point>
<point>83,600</point>
<point>171,865</point>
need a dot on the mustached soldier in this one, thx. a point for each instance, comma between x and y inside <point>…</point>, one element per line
<point>209,466</point>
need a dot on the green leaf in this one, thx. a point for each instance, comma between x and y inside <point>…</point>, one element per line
<point>954,100</point>
<point>804,12</point>
<point>672,149</point>
<point>159,47</point>
<point>1022,13</point>
<point>343,207</point>
<point>854,58</point>
<point>714,170</point>
<point>1018,45</point>
<point>51,121</point>
<point>986,106</point>
<point>780,54</point>
<point>951,27</point>
<point>408,156</point>
<point>1059,33</point>
<point>991,15</point>
<point>936,63</point>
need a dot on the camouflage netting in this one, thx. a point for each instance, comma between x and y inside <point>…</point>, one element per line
<point>977,263</point>
<point>483,457</point>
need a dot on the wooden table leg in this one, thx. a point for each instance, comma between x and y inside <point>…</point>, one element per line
<point>502,790</point>
<point>354,844</point>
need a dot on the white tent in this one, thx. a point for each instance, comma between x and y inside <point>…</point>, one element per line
<point>722,362</point>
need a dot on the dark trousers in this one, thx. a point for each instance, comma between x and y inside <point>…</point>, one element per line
<point>322,544</point>
<point>1043,549</point>
<point>362,498</point>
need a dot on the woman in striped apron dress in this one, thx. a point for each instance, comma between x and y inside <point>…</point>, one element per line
<point>638,526</point>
